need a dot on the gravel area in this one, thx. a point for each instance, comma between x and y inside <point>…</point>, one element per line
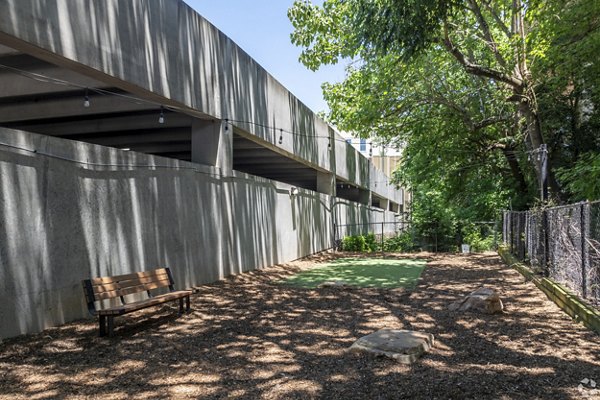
<point>250,337</point>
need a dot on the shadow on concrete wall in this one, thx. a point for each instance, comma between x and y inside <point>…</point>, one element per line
<point>64,221</point>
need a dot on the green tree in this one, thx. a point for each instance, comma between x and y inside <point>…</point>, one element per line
<point>471,66</point>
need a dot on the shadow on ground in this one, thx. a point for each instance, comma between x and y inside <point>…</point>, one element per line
<point>249,337</point>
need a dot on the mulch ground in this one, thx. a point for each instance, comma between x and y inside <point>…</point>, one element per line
<point>250,337</point>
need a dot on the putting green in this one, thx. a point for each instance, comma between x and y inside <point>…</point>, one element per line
<point>363,272</point>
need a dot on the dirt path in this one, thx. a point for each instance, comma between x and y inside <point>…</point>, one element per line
<point>251,338</point>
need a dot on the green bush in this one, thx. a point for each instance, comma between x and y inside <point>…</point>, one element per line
<point>354,243</point>
<point>401,243</point>
<point>477,242</point>
<point>371,243</point>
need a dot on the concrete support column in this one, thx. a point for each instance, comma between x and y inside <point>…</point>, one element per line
<point>384,203</point>
<point>212,144</point>
<point>325,183</point>
<point>364,196</point>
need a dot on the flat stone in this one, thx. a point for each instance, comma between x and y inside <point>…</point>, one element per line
<point>485,300</point>
<point>401,345</point>
<point>334,284</point>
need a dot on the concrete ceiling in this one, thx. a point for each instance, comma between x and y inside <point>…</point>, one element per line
<point>253,158</point>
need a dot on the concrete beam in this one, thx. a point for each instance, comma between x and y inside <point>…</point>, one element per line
<point>325,183</point>
<point>364,196</point>
<point>5,50</point>
<point>13,84</point>
<point>141,137</point>
<point>161,148</point>
<point>119,123</point>
<point>48,109</point>
<point>212,144</point>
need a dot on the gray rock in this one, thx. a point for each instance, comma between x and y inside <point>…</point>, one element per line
<point>401,345</point>
<point>334,284</point>
<point>485,300</point>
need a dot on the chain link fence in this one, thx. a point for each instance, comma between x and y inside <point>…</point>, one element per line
<point>562,243</point>
<point>381,230</point>
<point>430,238</point>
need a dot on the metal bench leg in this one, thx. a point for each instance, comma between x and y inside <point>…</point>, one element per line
<point>111,325</point>
<point>187,303</point>
<point>180,305</point>
<point>102,322</point>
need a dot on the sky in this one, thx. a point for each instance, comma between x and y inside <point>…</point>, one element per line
<point>262,29</point>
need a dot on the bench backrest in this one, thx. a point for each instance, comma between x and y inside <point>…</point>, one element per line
<point>109,287</point>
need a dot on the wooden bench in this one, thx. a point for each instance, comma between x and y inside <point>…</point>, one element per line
<point>111,287</point>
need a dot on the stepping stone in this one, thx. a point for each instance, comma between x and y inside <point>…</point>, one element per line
<point>485,300</point>
<point>401,345</point>
<point>334,284</point>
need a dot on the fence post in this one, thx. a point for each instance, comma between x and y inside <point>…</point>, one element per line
<point>544,234</point>
<point>585,226</point>
<point>335,245</point>
<point>382,236</point>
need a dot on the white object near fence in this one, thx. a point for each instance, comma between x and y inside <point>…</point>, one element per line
<point>466,249</point>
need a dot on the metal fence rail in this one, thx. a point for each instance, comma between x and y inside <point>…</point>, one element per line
<point>381,230</point>
<point>562,243</point>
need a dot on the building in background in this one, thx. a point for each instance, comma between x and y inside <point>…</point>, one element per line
<point>386,159</point>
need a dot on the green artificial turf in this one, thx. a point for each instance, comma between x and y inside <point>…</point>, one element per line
<point>363,272</point>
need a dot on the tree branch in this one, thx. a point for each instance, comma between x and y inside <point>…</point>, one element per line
<point>476,69</point>
<point>503,27</point>
<point>487,34</point>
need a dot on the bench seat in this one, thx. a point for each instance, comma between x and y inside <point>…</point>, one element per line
<point>138,305</point>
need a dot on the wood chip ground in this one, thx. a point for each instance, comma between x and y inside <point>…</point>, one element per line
<point>251,337</point>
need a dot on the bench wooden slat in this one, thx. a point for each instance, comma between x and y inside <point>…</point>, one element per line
<point>126,277</point>
<point>109,287</point>
<point>132,289</point>
<point>138,305</point>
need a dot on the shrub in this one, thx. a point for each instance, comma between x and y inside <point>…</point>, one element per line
<point>354,243</point>
<point>479,243</point>
<point>371,243</point>
<point>400,243</point>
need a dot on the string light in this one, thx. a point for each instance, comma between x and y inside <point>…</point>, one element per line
<point>86,99</point>
<point>161,117</point>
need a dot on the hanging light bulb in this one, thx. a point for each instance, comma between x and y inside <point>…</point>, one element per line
<point>86,99</point>
<point>226,125</point>
<point>161,117</point>
<point>280,136</point>
<point>329,144</point>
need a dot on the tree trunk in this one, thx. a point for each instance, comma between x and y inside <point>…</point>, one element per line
<point>515,170</point>
<point>534,139</point>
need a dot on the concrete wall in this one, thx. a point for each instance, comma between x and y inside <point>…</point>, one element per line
<point>71,210</point>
